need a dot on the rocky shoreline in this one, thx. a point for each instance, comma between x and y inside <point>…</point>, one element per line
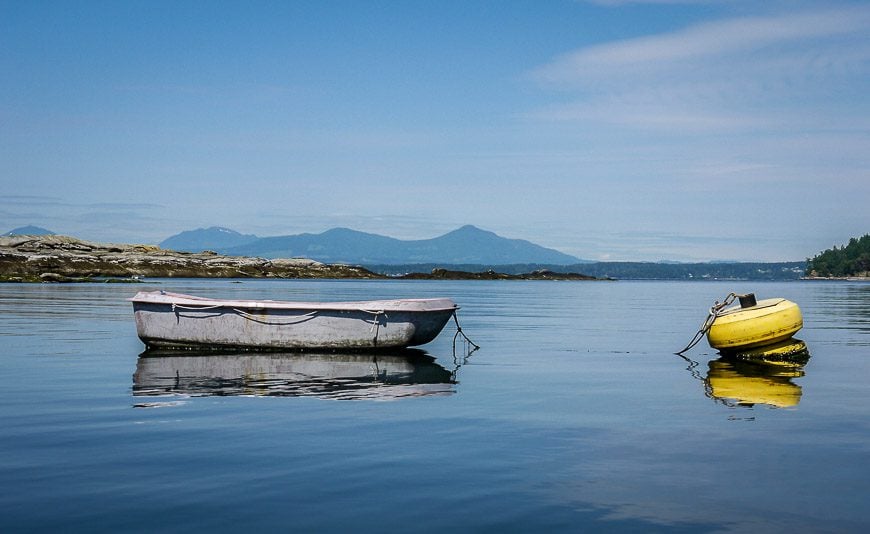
<point>54,258</point>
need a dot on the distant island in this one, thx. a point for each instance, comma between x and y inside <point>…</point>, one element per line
<point>849,261</point>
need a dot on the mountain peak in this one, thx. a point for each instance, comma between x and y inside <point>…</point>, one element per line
<point>342,231</point>
<point>214,237</point>
<point>469,228</point>
<point>29,230</point>
<point>223,230</point>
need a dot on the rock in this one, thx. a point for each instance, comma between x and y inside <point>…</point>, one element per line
<point>61,258</point>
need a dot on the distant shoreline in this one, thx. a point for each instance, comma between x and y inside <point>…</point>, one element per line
<point>837,278</point>
<point>57,259</point>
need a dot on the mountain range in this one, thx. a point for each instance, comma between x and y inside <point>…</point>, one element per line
<point>466,245</point>
<point>467,249</point>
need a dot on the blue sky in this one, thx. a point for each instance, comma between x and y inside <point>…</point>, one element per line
<point>609,130</point>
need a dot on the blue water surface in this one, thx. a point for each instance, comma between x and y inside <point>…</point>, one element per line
<point>574,415</point>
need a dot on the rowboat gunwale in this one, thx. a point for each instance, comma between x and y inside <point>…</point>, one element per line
<point>406,305</point>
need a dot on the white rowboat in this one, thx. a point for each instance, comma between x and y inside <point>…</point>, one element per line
<point>172,320</point>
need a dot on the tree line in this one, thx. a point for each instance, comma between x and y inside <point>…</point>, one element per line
<point>852,259</point>
<point>792,270</point>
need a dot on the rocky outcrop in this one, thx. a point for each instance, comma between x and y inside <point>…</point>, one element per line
<point>60,258</point>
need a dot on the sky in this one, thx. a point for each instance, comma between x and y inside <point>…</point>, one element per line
<point>641,130</point>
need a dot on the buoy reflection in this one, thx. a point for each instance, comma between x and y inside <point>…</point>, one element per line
<point>759,376</point>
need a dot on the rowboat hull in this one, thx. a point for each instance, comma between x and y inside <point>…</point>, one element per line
<point>171,320</point>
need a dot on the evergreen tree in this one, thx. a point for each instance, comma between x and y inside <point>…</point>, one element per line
<point>852,259</point>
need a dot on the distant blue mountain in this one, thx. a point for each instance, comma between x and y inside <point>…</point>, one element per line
<point>214,238</point>
<point>466,245</point>
<point>29,230</point>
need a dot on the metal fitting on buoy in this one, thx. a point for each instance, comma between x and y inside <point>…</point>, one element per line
<point>747,300</point>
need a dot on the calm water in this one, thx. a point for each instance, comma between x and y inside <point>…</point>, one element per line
<point>574,415</point>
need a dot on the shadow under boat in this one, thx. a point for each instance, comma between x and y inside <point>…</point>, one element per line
<point>758,376</point>
<point>342,376</point>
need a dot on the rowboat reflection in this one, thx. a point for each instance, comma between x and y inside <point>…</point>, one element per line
<point>405,373</point>
<point>757,377</point>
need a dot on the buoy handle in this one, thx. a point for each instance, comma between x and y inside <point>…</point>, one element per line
<point>747,300</point>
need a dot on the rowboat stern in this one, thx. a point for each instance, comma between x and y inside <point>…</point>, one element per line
<point>428,326</point>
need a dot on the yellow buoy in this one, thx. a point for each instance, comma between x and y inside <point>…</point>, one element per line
<point>756,325</point>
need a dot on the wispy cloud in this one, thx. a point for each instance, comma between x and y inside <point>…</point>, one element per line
<point>30,200</point>
<point>612,3</point>
<point>49,201</point>
<point>716,75</point>
<point>102,221</point>
<point>124,206</point>
<point>704,41</point>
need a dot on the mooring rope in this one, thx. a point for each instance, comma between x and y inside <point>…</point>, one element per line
<point>458,333</point>
<point>708,322</point>
<point>708,388</point>
<point>457,360</point>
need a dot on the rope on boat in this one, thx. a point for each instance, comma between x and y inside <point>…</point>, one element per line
<point>247,315</point>
<point>194,308</point>
<point>708,322</point>
<point>253,317</point>
<point>376,322</point>
<point>375,328</point>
